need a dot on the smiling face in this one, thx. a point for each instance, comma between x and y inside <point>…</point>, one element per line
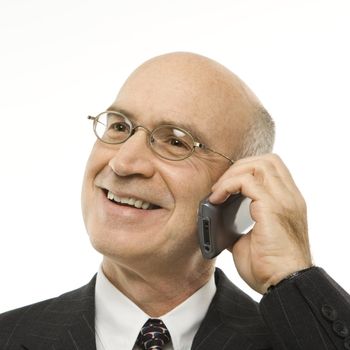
<point>137,206</point>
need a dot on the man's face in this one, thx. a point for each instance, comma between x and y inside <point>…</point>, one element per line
<point>156,94</point>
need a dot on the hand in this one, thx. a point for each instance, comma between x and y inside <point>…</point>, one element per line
<point>278,244</point>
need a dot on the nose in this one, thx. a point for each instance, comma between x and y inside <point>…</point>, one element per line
<point>134,157</point>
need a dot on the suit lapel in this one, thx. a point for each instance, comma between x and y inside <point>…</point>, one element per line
<point>213,334</point>
<point>67,323</point>
<point>232,322</point>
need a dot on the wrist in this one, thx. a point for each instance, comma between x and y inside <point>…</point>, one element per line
<point>289,277</point>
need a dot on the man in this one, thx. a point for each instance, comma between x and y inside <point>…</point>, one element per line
<point>182,127</point>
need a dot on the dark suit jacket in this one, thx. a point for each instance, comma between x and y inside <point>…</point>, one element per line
<point>309,312</point>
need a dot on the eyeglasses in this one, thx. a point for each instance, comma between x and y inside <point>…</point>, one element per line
<point>167,141</point>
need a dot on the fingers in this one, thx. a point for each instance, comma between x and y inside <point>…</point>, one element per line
<point>254,177</point>
<point>247,184</point>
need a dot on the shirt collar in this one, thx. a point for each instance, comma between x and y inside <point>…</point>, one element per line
<point>118,320</point>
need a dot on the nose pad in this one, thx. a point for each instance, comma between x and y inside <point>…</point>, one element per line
<point>134,157</point>
<point>135,129</point>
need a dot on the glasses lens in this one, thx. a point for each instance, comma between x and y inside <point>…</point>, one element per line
<point>172,143</point>
<point>112,127</point>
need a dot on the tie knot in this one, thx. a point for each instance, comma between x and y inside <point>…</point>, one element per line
<point>153,335</point>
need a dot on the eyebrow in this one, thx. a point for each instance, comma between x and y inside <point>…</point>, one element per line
<point>197,135</point>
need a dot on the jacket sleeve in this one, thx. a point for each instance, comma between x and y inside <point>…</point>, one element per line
<point>310,311</point>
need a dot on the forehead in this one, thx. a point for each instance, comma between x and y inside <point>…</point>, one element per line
<point>197,99</point>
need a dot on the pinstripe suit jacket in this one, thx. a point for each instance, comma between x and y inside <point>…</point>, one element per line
<point>309,312</point>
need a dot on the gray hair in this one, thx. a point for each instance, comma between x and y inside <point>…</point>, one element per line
<point>259,136</point>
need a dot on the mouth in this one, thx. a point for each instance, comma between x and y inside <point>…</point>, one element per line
<point>130,201</point>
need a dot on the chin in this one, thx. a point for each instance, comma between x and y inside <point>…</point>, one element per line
<point>120,246</point>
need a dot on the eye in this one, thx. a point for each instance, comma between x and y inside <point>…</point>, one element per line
<point>119,127</point>
<point>178,143</point>
<point>178,138</point>
<point>171,142</point>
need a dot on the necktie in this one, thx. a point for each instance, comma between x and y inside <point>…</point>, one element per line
<point>153,335</point>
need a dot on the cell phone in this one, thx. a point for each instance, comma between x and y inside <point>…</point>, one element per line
<point>220,226</point>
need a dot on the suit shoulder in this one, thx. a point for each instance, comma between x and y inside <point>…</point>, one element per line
<point>48,310</point>
<point>15,323</point>
<point>14,315</point>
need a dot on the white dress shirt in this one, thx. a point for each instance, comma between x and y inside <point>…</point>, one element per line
<point>118,320</point>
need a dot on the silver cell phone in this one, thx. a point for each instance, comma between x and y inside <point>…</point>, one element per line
<point>220,226</point>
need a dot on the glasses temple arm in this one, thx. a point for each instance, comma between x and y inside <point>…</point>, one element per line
<point>202,146</point>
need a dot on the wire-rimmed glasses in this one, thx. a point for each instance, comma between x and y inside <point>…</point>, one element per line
<point>167,141</point>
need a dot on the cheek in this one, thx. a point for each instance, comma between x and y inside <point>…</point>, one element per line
<point>98,159</point>
<point>191,181</point>
<point>189,184</point>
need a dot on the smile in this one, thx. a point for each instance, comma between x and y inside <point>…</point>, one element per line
<point>130,201</point>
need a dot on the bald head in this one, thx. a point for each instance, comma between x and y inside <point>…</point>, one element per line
<point>190,86</point>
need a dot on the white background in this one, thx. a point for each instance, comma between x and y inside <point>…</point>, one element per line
<point>62,60</point>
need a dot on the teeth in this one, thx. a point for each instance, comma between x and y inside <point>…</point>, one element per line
<point>145,205</point>
<point>131,201</point>
<point>137,203</point>
<point>124,200</point>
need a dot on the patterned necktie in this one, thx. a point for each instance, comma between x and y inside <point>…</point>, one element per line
<point>153,335</point>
